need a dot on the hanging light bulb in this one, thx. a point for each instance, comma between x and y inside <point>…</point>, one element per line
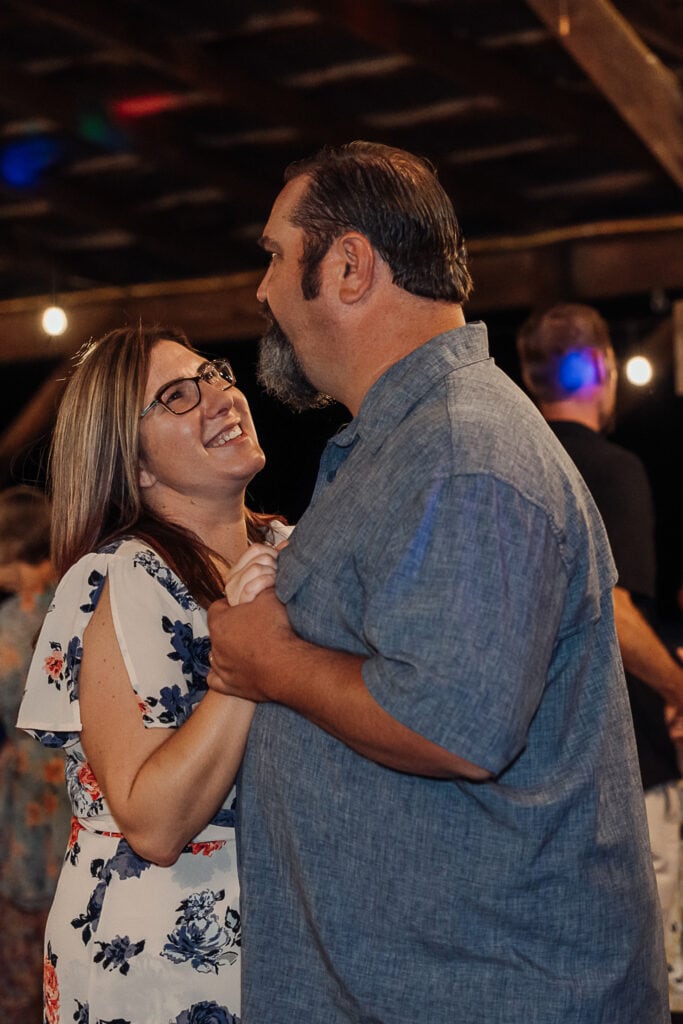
<point>54,321</point>
<point>639,371</point>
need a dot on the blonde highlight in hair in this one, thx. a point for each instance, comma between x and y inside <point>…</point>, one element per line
<point>93,469</point>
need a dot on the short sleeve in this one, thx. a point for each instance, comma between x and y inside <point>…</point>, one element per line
<point>463,615</point>
<point>49,709</point>
<point>162,635</point>
<point>156,623</point>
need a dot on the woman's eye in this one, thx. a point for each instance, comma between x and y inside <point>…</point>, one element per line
<point>172,396</point>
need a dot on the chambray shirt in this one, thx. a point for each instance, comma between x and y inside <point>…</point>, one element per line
<point>452,543</point>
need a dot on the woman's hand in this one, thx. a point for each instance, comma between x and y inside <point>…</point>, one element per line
<point>251,574</point>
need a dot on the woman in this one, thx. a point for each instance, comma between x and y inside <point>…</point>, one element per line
<point>152,452</point>
<point>34,810</point>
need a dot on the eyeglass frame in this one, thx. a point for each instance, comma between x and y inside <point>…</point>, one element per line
<point>213,364</point>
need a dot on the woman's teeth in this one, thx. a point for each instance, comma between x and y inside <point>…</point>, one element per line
<point>227,435</point>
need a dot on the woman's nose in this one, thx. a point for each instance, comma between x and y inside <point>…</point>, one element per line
<point>215,400</point>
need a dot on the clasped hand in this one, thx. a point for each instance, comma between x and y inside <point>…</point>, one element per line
<point>248,627</point>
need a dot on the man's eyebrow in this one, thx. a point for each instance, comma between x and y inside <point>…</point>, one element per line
<point>269,244</point>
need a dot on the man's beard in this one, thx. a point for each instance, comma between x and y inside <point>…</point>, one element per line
<point>280,372</point>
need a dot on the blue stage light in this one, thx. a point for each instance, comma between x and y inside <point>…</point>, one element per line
<point>23,160</point>
<point>578,370</point>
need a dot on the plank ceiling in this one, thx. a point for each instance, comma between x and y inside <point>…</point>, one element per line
<point>142,143</point>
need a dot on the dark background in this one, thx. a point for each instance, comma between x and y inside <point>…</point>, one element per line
<point>650,423</point>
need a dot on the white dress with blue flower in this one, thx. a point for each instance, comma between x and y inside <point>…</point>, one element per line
<point>127,940</point>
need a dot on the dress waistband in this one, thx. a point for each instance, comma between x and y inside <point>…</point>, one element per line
<point>106,827</point>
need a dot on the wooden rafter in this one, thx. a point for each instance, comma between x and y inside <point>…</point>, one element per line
<point>645,93</point>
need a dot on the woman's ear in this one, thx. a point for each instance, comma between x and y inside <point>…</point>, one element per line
<point>357,260</point>
<point>145,477</point>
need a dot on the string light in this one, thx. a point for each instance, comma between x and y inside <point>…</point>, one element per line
<point>54,321</point>
<point>564,25</point>
<point>639,371</point>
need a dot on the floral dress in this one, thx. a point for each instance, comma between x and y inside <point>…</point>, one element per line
<point>128,941</point>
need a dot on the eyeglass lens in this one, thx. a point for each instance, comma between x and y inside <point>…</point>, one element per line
<point>183,395</point>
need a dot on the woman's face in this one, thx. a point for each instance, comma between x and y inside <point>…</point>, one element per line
<point>210,452</point>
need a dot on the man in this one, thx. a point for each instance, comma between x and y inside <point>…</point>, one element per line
<point>568,365</point>
<point>440,813</point>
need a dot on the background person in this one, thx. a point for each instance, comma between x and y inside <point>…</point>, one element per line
<point>440,805</point>
<point>568,365</point>
<point>152,452</point>
<point>34,809</point>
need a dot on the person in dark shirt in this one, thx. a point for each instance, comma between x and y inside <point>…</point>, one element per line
<point>569,367</point>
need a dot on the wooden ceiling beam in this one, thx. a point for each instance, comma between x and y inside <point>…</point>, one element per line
<point>659,22</point>
<point>209,309</point>
<point>586,263</point>
<point>646,94</point>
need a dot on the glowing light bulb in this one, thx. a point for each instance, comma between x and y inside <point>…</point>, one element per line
<point>54,321</point>
<point>639,371</point>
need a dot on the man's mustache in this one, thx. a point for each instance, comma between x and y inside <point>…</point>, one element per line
<point>267,314</point>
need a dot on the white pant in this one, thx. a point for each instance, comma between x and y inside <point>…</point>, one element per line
<point>663,808</point>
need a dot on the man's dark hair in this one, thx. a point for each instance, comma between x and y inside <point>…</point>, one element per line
<point>395,200</point>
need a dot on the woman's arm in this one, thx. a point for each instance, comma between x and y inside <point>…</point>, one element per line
<point>163,786</point>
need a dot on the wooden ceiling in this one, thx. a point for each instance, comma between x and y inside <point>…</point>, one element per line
<point>153,135</point>
<point>143,141</point>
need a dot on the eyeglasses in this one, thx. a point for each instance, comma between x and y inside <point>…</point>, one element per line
<point>182,395</point>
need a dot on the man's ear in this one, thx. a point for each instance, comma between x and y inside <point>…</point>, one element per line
<point>600,363</point>
<point>356,260</point>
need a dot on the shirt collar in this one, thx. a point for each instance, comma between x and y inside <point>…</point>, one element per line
<point>391,398</point>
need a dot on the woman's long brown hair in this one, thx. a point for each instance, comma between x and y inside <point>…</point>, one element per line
<point>94,459</point>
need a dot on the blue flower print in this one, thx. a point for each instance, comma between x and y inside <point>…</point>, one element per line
<point>126,864</point>
<point>206,1013</point>
<point>176,704</point>
<point>199,938</point>
<point>52,739</point>
<point>82,1015</point>
<point>86,798</point>
<point>226,817</point>
<point>193,653</point>
<point>191,650</point>
<point>96,583</point>
<point>63,667</point>
<point>148,561</point>
<point>117,954</point>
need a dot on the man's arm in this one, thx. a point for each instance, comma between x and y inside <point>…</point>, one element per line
<point>643,653</point>
<point>256,654</point>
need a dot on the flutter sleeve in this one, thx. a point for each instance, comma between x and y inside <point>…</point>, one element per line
<point>163,637</point>
<point>161,633</point>
<point>49,709</point>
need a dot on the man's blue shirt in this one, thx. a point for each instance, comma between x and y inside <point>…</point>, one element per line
<point>451,542</point>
